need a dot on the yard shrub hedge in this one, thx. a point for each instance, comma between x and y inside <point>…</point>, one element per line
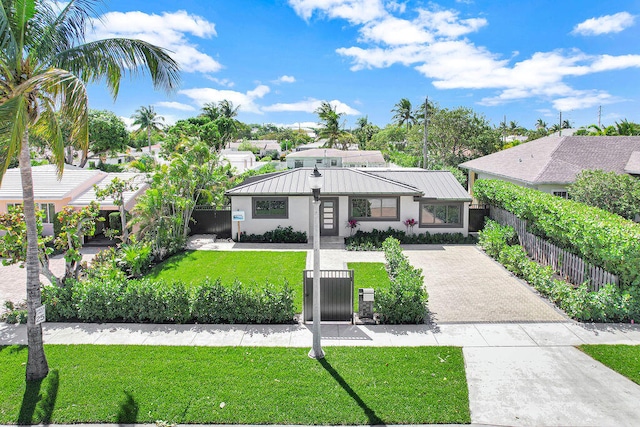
<point>115,300</point>
<point>372,240</point>
<point>279,235</point>
<point>609,304</point>
<point>600,237</point>
<point>406,299</point>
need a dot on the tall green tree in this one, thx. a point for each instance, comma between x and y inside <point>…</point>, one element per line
<point>330,128</point>
<point>107,132</point>
<point>44,64</point>
<point>403,113</point>
<point>148,121</point>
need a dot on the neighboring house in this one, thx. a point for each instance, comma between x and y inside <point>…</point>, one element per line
<point>264,146</point>
<point>242,161</point>
<point>551,164</point>
<point>376,198</point>
<point>333,158</point>
<point>75,188</point>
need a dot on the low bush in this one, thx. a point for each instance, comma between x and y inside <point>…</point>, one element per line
<point>372,240</point>
<point>609,304</point>
<point>15,314</point>
<point>279,235</point>
<point>145,301</point>
<point>599,237</point>
<point>406,299</point>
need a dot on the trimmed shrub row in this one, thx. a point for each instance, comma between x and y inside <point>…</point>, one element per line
<point>600,237</point>
<point>279,235</point>
<point>140,301</point>
<point>372,240</point>
<point>609,304</point>
<point>406,299</point>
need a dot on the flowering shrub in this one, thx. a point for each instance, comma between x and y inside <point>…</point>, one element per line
<point>352,224</point>
<point>410,222</point>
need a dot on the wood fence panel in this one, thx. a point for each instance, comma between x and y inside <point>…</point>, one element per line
<point>568,265</point>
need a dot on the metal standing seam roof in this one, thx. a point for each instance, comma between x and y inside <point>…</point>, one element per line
<point>440,185</point>
<point>339,181</point>
<point>353,156</point>
<point>46,185</point>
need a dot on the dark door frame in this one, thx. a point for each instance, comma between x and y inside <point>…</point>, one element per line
<point>334,230</point>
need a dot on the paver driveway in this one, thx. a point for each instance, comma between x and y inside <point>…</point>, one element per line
<point>466,285</point>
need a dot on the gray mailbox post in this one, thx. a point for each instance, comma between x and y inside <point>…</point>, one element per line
<point>365,303</point>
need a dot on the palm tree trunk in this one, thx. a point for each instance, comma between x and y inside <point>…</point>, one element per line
<point>149,138</point>
<point>37,367</point>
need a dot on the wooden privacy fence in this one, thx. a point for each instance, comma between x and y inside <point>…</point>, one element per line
<point>571,267</point>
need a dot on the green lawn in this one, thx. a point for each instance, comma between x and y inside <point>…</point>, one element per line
<point>251,268</point>
<point>368,275</point>
<point>624,359</point>
<point>236,385</point>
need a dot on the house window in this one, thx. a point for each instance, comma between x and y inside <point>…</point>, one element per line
<point>440,215</point>
<point>562,193</point>
<point>318,161</point>
<point>298,164</point>
<point>374,208</point>
<point>49,210</point>
<point>334,162</point>
<point>270,207</point>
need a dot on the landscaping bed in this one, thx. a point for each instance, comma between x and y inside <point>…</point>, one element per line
<point>236,385</point>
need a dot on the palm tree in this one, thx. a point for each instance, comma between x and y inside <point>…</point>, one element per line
<point>227,109</point>
<point>541,125</point>
<point>403,113</point>
<point>44,64</point>
<point>330,129</point>
<point>148,120</point>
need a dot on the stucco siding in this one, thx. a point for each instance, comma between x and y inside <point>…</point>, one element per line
<point>298,219</point>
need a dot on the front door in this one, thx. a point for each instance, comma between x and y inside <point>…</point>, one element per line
<point>329,216</point>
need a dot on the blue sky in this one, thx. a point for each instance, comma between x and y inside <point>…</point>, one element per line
<point>279,59</point>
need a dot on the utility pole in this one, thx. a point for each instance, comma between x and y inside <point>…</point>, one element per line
<point>560,134</point>
<point>599,115</point>
<point>425,150</point>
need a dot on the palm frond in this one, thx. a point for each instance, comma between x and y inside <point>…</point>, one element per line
<point>8,47</point>
<point>108,58</point>
<point>13,125</point>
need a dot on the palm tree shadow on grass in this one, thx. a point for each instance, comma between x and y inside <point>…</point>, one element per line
<point>370,413</point>
<point>128,410</point>
<point>39,399</point>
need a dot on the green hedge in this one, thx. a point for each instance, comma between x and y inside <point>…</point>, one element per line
<point>140,301</point>
<point>609,304</point>
<point>279,235</point>
<point>600,237</point>
<point>406,299</point>
<point>372,240</point>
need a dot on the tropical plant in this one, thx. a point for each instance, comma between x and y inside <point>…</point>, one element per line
<point>44,63</point>
<point>610,191</point>
<point>116,189</point>
<point>403,113</point>
<point>107,133</point>
<point>330,127</point>
<point>148,121</point>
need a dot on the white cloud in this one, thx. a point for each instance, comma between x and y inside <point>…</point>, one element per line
<point>354,11</point>
<point>446,23</point>
<point>394,6</point>
<point>605,24</point>
<point>168,30</point>
<point>221,82</point>
<point>175,105</point>
<point>286,79</point>
<point>394,31</point>
<point>245,101</point>
<point>310,106</point>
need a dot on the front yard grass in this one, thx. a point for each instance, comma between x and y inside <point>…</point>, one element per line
<point>251,268</point>
<point>236,385</point>
<point>624,359</point>
<point>368,275</point>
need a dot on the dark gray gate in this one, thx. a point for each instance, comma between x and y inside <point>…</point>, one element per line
<point>209,220</point>
<point>477,213</point>
<point>336,295</point>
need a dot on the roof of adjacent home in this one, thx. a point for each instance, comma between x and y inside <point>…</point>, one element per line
<point>347,156</point>
<point>558,159</point>
<point>76,184</point>
<point>440,185</point>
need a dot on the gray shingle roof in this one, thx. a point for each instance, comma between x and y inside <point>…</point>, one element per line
<point>557,160</point>
<point>347,181</point>
<point>633,165</point>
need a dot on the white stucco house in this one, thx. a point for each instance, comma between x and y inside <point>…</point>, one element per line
<point>376,198</point>
<point>333,158</point>
<point>75,188</point>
